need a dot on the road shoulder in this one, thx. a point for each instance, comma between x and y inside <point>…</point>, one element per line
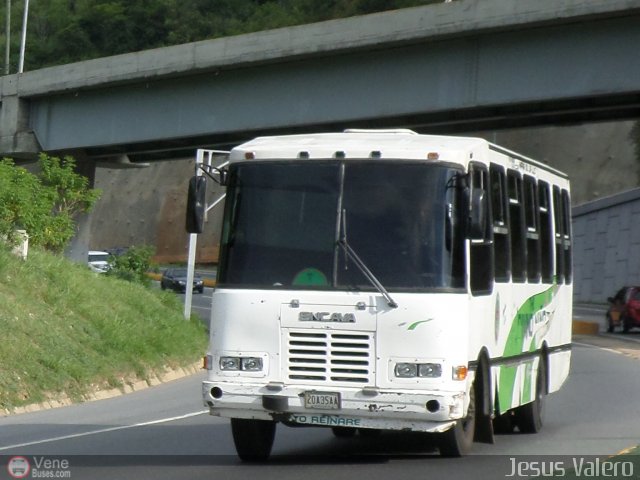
<point>628,345</point>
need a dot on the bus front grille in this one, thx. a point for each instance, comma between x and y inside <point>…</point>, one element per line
<point>330,357</point>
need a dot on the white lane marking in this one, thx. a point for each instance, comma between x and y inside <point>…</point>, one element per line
<point>104,430</point>
<point>605,349</point>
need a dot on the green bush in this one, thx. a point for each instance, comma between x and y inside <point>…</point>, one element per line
<point>132,265</point>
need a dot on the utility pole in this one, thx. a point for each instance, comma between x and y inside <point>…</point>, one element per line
<point>7,51</point>
<point>23,43</point>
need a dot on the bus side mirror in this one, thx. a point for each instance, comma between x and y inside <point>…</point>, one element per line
<point>478,215</point>
<point>196,204</point>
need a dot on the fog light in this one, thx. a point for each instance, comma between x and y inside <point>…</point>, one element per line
<point>433,406</point>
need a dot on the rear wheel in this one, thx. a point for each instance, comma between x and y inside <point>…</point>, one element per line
<point>457,441</point>
<point>253,438</point>
<point>529,418</point>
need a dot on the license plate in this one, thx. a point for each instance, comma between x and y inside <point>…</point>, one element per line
<point>322,400</point>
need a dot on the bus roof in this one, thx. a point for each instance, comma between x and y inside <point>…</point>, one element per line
<point>394,144</point>
<point>397,144</point>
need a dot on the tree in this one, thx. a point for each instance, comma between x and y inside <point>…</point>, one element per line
<point>46,204</point>
<point>64,31</point>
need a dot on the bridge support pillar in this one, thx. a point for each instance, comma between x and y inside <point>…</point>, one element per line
<point>16,138</point>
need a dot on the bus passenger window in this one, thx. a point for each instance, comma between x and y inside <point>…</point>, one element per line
<point>546,232</point>
<point>516,227</point>
<point>566,214</point>
<point>499,209</point>
<point>532,211</point>
<point>559,225</point>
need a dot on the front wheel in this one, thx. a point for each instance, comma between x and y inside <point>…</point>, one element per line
<point>253,438</point>
<point>457,441</point>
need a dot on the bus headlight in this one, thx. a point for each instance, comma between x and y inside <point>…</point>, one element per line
<point>406,370</point>
<point>245,364</point>
<point>251,364</point>
<point>423,370</point>
<point>229,363</point>
<point>429,370</point>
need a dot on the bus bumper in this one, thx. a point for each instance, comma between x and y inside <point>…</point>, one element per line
<point>388,410</point>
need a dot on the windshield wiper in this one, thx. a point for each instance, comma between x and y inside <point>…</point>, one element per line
<point>361,265</point>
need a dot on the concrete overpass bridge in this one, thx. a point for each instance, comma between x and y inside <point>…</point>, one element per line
<point>464,65</point>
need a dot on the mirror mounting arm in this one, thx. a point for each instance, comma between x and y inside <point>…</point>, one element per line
<point>218,174</point>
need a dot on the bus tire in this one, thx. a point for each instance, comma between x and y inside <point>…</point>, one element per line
<point>344,432</point>
<point>457,441</point>
<point>530,417</point>
<point>253,438</point>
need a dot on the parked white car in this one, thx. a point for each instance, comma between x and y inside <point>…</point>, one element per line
<point>98,261</point>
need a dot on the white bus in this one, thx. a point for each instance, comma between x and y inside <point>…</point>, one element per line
<point>385,280</point>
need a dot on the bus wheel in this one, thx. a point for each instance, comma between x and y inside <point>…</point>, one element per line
<point>369,432</point>
<point>344,432</point>
<point>253,438</point>
<point>457,441</point>
<point>529,417</point>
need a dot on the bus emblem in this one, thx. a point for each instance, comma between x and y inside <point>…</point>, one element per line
<point>326,317</point>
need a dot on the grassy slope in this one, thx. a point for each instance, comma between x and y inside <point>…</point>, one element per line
<point>67,331</point>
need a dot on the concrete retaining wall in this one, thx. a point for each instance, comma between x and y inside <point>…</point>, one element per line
<point>606,235</point>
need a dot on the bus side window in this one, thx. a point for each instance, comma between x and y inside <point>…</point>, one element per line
<point>499,210</point>
<point>532,211</point>
<point>566,214</point>
<point>516,227</point>
<point>481,261</point>
<point>546,232</point>
<point>559,224</point>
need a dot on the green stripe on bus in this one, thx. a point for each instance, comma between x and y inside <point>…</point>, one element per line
<point>515,345</point>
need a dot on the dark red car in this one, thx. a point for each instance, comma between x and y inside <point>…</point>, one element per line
<point>624,311</point>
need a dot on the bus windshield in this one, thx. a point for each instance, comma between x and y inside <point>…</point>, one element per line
<point>284,220</point>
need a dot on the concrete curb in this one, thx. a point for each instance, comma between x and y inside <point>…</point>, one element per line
<point>580,327</point>
<point>128,387</point>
